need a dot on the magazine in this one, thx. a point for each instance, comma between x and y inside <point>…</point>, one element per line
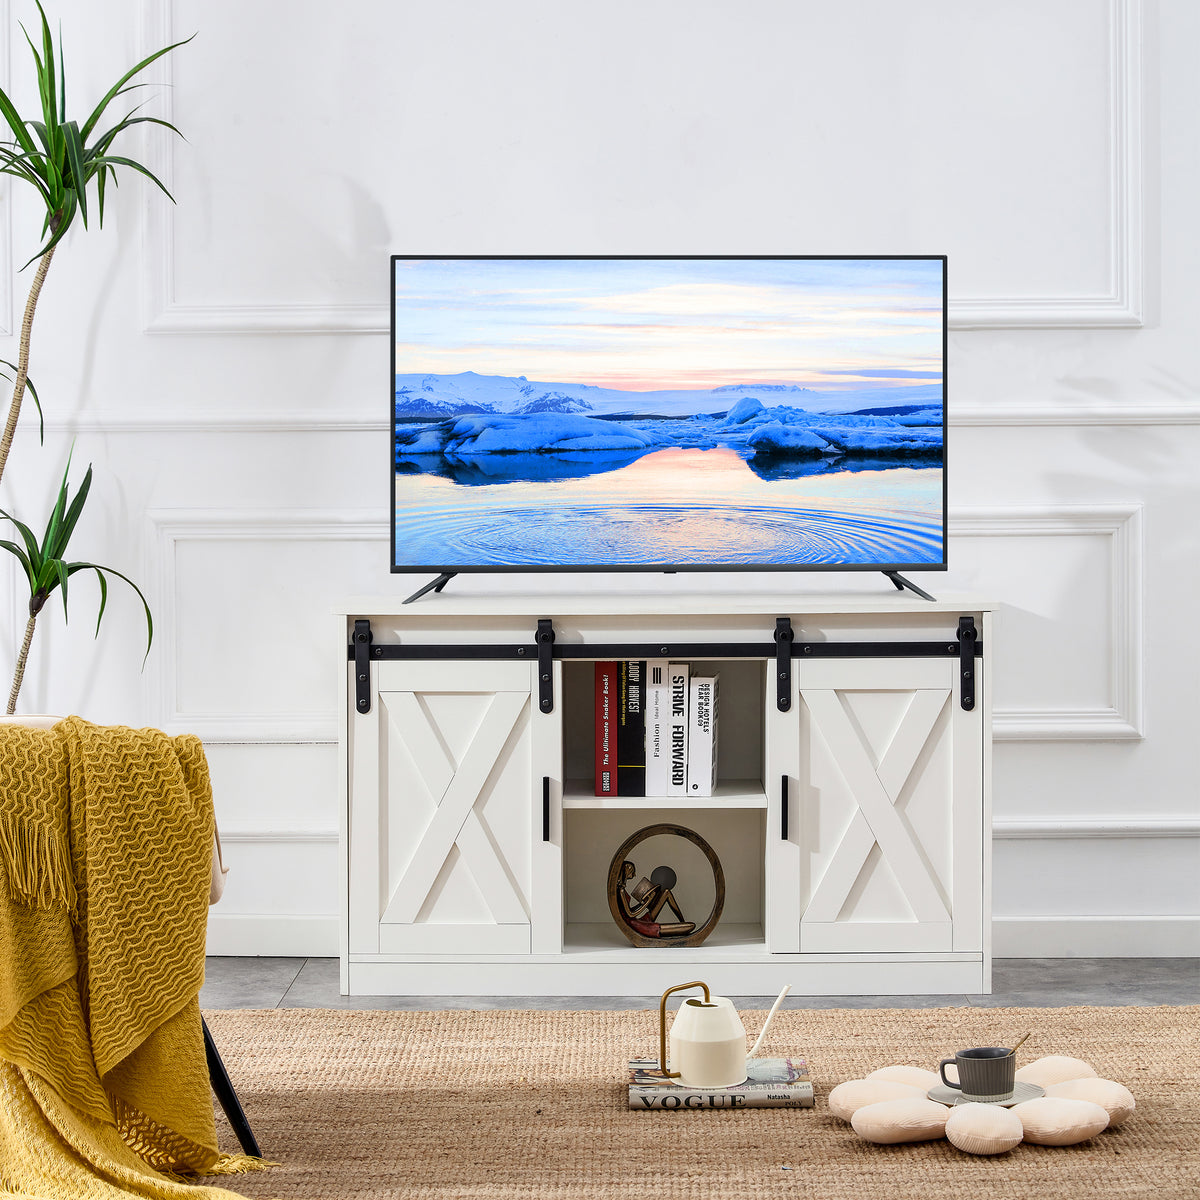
<point>771,1083</point>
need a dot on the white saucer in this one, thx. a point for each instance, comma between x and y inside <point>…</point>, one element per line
<point>1021,1091</point>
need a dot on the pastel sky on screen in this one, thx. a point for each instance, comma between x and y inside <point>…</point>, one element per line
<point>649,324</point>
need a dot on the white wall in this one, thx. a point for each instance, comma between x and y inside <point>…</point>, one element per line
<point>224,364</point>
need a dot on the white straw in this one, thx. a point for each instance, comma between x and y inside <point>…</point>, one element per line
<point>774,1007</point>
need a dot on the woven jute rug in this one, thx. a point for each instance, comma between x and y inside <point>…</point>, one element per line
<point>533,1104</point>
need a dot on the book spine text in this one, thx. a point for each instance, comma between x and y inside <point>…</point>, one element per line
<point>648,1098</point>
<point>702,735</point>
<point>631,729</point>
<point>657,730</point>
<point>678,717</point>
<point>606,745</point>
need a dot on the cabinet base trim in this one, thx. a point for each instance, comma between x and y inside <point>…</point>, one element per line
<point>859,978</point>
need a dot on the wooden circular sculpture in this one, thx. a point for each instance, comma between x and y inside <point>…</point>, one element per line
<point>636,907</point>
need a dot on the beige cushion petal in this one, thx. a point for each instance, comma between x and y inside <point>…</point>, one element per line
<point>910,1120</point>
<point>1054,1068</point>
<point>914,1076</point>
<point>1054,1121</point>
<point>1116,1099</point>
<point>983,1128</point>
<point>848,1097</point>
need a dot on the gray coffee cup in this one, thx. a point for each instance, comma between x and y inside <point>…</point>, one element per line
<point>986,1074</point>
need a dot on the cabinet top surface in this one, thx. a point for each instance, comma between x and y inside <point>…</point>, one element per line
<point>629,602</point>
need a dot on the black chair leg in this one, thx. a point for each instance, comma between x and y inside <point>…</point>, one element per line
<point>226,1096</point>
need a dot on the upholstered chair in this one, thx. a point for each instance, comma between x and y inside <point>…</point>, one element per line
<point>222,1085</point>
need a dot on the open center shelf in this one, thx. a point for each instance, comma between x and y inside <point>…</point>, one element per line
<point>729,793</point>
<point>728,939</point>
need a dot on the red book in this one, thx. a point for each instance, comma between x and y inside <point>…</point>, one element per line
<point>607,685</point>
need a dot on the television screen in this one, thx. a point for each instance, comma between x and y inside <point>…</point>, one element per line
<point>668,413</point>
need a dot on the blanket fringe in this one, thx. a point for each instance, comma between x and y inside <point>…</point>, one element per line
<point>237,1164</point>
<point>36,864</point>
<point>226,1164</point>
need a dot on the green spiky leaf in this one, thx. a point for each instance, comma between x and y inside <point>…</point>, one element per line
<point>45,563</point>
<point>74,155</point>
<point>87,566</point>
<point>109,160</point>
<point>119,86</point>
<point>19,554</point>
<point>32,392</point>
<point>32,549</point>
<point>53,155</point>
<point>15,123</point>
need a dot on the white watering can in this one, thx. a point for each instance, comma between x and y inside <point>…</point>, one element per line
<point>708,1039</point>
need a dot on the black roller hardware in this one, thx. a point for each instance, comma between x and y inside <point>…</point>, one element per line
<point>783,663</point>
<point>966,661</point>
<point>360,649</point>
<point>545,654</point>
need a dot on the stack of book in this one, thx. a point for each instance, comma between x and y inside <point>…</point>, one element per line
<point>771,1083</point>
<point>656,729</point>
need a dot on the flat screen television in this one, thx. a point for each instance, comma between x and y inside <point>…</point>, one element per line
<point>668,413</point>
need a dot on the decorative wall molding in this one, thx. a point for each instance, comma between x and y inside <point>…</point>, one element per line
<point>162,311</point>
<point>1007,829</point>
<point>291,835</point>
<point>285,935</point>
<point>172,527</point>
<point>223,422</point>
<point>8,320</point>
<point>158,222</point>
<point>13,582</point>
<point>1074,415</point>
<point>1122,718</point>
<point>342,422</point>
<point>1119,306</point>
<point>316,935</point>
<point>1052,936</point>
<point>8,323</point>
<point>1089,827</point>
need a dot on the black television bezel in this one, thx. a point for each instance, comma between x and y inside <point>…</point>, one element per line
<point>661,568</point>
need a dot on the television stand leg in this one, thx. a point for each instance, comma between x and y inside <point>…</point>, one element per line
<point>902,583</point>
<point>435,585</point>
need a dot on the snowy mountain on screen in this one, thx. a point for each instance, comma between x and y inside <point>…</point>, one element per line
<point>424,396</point>
<point>488,426</point>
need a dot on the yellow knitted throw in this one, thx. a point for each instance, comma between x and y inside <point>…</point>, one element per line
<point>105,842</point>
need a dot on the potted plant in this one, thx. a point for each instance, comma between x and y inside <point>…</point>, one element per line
<point>70,165</point>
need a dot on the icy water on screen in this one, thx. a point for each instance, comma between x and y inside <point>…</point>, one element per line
<point>685,507</point>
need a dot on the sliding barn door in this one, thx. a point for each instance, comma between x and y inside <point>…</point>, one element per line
<point>441,810</point>
<point>891,792</point>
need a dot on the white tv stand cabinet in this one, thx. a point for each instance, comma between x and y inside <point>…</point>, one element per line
<point>852,814</point>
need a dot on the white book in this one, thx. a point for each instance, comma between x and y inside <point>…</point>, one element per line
<point>677,715</point>
<point>658,734</point>
<point>702,735</point>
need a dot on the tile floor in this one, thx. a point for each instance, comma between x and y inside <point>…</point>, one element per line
<point>1016,982</point>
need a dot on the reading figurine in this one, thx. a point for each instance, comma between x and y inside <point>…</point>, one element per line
<point>640,905</point>
<point>637,907</point>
